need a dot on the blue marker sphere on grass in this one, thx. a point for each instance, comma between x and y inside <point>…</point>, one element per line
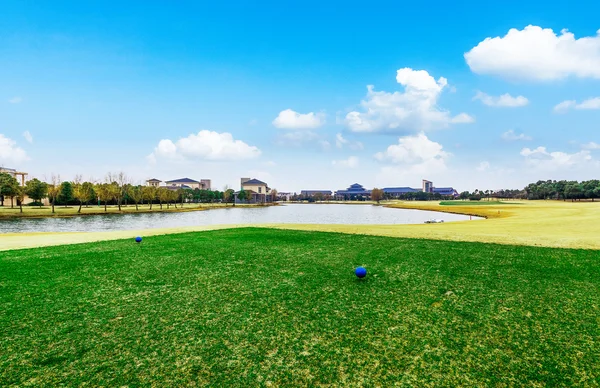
<point>361,272</point>
<point>138,239</point>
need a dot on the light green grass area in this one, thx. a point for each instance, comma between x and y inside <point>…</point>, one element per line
<point>260,307</point>
<point>475,203</point>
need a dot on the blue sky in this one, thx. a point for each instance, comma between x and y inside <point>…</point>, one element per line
<point>91,88</point>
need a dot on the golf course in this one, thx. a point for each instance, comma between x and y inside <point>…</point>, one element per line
<point>277,307</point>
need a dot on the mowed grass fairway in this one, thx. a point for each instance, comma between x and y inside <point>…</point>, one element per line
<point>250,307</point>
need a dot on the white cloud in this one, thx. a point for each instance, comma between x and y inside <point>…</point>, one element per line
<point>483,166</point>
<point>591,146</point>
<point>10,153</point>
<point>288,119</point>
<point>205,145</point>
<point>28,136</point>
<point>537,54</point>
<point>340,142</point>
<point>351,162</point>
<point>324,144</point>
<point>415,150</point>
<point>541,159</point>
<point>15,100</point>
<point>414,109</point>
<point>303,139</point>
<point>589,104</point>
<point>510,135</point>
<point>504,100</point>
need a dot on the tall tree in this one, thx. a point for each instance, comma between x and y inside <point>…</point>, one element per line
<point>20,197</point>
<point>135,193</point>
<point>54,189</point>
<point>66,194</point>
<point>36,190</point>
<point>227,195</point>
<point>104,193</point>
<point>377,195</point>
<point>163,196</point>
<point>149,193</point>
<point>9,187</point>
<point>82,192</point>
<point>242,195</point>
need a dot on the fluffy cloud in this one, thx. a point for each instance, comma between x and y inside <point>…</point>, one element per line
<point>414,109</point>
<point>416,150</point>
<point>483,166</point>
<point>591,146</point>
<point>28,136</point>
<point>537,54</point>
<point>589,104</point>
<point>505,100</point>
<point>15,100</point>
<point>206,145</point>
<point>288,119</point>
<point>541,159</point>
<point>341,142</point>
<point>351,162</point>
<point>510,135</point>
<point>10,153</point>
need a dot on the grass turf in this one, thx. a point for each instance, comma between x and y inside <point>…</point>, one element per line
<point>266,307</point>
<point>474,203</point>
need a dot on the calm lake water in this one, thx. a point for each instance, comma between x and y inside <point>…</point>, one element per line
<point>284,214</point>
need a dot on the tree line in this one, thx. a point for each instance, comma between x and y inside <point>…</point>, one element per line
<point>116,190</point>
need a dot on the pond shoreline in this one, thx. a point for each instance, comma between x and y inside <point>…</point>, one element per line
<point>98,211</point>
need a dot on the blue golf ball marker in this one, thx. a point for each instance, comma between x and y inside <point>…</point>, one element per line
<point>138,239</point>
<point>361,272</point>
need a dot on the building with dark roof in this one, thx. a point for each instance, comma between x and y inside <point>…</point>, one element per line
<point>258,190</point>
<point>203,184</point>
<point>399,191</point>
<point>446,191</point>
<point>355,191</point>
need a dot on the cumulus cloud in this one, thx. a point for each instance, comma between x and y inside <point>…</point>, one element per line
<point>341,142</point>
<point>351,162</point>
<point>589,104</point>
<point>417,153</point>
<point>413,109</point>
<point>15,100</point>
<point>28,136</point>
<point>510,135</point>
<point>288,119</point>
<point>540,158</point>
<point>10,153</point>
<point>483,166</point>
<point>537,53</point>
<point>205,145</point>
<point>504,100</point>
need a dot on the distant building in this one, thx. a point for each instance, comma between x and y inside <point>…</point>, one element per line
<point>445,191</point>
<point>353,192</point>
<point>311,193</point>
<point>427,186</point>
<point>16,174</point>
<point>258,190</point>
<point>203,184</point>
<point>284,196</point>
<point>153,182</point>
<point>399,191</point>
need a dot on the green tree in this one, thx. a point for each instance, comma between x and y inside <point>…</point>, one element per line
<point>104,193</point>
<point>83,192</point>
<point>242,195</point>
<point>20,197</point>
<point>54,190</point>
<point>228,195</point>
<point>66,194</point>
<point>163,195</point>
<point>36,190</point>
<point>149,193</point>
<point>135,193</point>
<point>9,187</point>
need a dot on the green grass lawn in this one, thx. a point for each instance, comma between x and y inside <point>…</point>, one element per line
<point>251,307</point>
